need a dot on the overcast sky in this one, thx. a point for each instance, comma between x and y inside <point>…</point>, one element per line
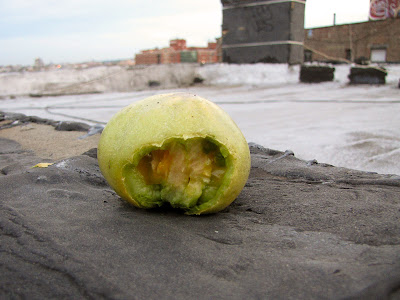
<point>85,30</point>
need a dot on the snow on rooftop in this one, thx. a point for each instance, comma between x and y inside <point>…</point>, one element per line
<point>354,126</point>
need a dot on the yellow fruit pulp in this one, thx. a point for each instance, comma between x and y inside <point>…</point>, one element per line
<point>186,168</point>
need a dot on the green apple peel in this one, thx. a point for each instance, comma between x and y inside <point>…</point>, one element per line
<point>175,148</point>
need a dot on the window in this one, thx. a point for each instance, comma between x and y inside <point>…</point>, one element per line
<point>307,55</point>
<point>378,55</point>
<point>348,54</point>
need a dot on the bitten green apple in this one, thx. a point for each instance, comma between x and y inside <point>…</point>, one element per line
<point>175,148</point>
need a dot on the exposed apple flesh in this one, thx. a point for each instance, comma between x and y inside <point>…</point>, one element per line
<point>182,170</point>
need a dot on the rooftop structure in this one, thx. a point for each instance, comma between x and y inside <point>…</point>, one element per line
<point>263,31</point>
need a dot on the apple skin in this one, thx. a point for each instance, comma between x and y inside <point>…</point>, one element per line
<point>149,123</point>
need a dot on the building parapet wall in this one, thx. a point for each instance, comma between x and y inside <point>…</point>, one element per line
<point>376,41</point>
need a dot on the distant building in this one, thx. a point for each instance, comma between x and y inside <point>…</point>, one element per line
<point>374,41</point>
<point>148,57</point>
<point>178,52</point>
<point>178,44</point>
<point>38,64</point>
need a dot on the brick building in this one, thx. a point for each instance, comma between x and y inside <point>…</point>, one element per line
<point>170,56</point>
<point>375,41</point>
<point>178,52</point>
<point>148,57</point>
<point>178,44</point>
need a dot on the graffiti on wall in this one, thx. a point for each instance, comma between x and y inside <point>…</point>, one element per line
<point>383,9</point>
<point>262,18</point>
